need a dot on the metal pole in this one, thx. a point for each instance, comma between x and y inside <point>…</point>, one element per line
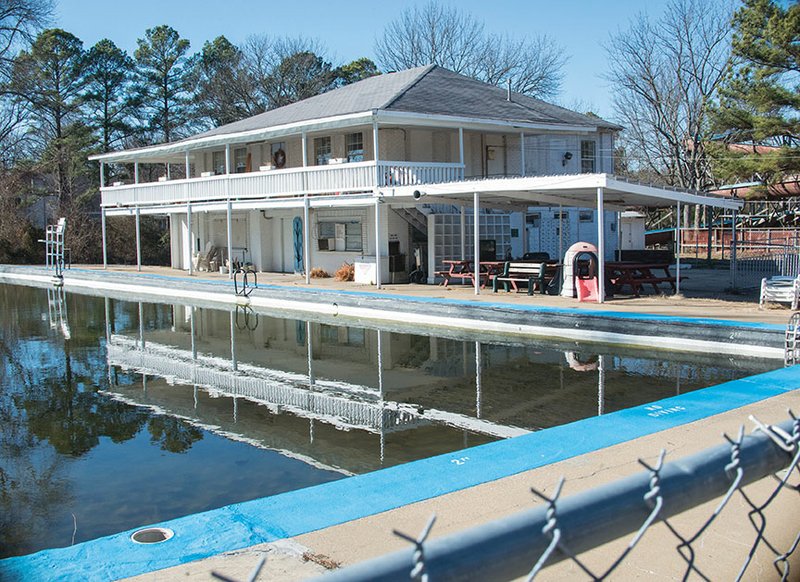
<point>189,236</point>
<point>378,243</point>
<point>103,231</point>
<point>138,240</point>
<point>678,252</point>
<point>463,233</point>
<point>734,216</point>
<point>229,218</point>
<point>306,238</point>
<point>601,248</point>
<point>476,254</point>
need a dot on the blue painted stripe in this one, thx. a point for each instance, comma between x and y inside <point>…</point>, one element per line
<point>297,512</point>
<point>649,317</point>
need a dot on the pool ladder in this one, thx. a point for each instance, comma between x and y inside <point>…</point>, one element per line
<point>792,345</point>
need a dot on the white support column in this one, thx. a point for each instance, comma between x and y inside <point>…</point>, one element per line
<point>463,232</point>
<point>187,166</point>
<point>601,248</point>
<point>307,239</point>
<point>189,236</point>
<point>135,172</point>
<point>304,141</point>
<point>378,243</point>
<point>103,232</point>
<point>461,145</point>
<point>678,252</point>
<point>102,175</point>
<point>227,158</point>
<point>138,240</point>
<point>476,252</point>
<point>376,149</point>
<point>229,219</point>
<point>169,175</point>
<point>522,153</point>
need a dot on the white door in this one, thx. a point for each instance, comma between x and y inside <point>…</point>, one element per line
<point>533,230</point>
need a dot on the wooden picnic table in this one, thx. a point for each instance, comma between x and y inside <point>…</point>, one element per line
<point>637,275</point>
<point>464,270</point>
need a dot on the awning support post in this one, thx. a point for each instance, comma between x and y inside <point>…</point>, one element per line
<point>476,253</point>
<point>601,248</point>
<point>138,240</point>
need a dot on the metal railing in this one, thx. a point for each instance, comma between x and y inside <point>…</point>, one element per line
<point>563,528</point>
<point>754,261</point>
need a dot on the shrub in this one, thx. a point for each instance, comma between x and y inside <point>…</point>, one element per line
<point>346,272</point>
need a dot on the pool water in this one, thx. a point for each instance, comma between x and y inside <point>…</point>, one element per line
<point>119,414</point>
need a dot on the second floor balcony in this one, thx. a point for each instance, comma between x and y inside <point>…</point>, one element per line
<point>289,182</point>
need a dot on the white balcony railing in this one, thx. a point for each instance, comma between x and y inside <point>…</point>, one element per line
<point>352,177</point>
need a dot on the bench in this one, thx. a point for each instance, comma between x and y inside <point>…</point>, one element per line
<point>534,275</point>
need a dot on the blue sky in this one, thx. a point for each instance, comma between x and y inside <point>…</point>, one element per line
<point>348,29</point>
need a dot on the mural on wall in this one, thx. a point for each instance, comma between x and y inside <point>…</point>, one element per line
<point>297,238</point>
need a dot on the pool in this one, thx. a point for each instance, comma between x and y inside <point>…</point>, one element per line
<point>118,414</point>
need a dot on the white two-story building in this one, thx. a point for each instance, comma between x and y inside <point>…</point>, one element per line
<point>368,172</point>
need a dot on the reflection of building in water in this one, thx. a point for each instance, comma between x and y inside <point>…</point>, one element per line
<point>301,379</point>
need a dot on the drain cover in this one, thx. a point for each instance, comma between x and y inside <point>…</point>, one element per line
<point>152,535</point>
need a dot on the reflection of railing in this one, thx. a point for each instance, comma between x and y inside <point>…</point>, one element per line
<point>341,404</point>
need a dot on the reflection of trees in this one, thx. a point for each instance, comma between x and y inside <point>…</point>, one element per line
<point>51,408</point>
<point>173,434</point>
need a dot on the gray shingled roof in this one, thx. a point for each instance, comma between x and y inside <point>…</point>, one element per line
<point>429,90</point>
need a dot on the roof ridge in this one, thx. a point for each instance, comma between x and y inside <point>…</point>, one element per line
<point>403,90</point>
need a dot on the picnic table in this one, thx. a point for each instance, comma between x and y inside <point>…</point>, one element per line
<point>637,275</point>
<point>464,271</point>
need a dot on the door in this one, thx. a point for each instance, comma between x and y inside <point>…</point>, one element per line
<point>533,230</point>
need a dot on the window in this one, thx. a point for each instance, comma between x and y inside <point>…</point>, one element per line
<point>240,160</point>
<point>586,216</point>
<point>354,146</point>
<point>322,150</point>
<point>218,162</point>
<point>588,157</point>
<point>340,236</point>
<point>560,216</point>
<point>534,219</point>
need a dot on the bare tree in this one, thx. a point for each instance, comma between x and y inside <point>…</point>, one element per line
<point>446,36</point>
<point>284,70</point>
<point>665,75</point>
<point>20,21</point>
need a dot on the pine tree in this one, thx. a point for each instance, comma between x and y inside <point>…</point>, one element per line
<point>760,101</point>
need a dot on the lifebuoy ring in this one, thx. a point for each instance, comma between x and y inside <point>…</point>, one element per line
<point>279,158</point>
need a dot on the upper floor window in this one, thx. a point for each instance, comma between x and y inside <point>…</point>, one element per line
<point>240,160</point>
<point>586,216</point>
<point>588,157</point>
<point>354,146</point>
<point>218,162</point>
<point>322,150</point>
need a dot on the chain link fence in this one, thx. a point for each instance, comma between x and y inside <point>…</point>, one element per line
<point>737,488</point>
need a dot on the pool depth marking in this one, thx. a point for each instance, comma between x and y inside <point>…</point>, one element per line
<point>294,513</point>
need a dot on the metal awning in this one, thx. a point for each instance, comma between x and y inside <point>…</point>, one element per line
<point>577,190</point>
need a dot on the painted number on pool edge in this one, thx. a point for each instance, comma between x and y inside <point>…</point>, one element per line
<point>655,410</point>
<point>459,461</point>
